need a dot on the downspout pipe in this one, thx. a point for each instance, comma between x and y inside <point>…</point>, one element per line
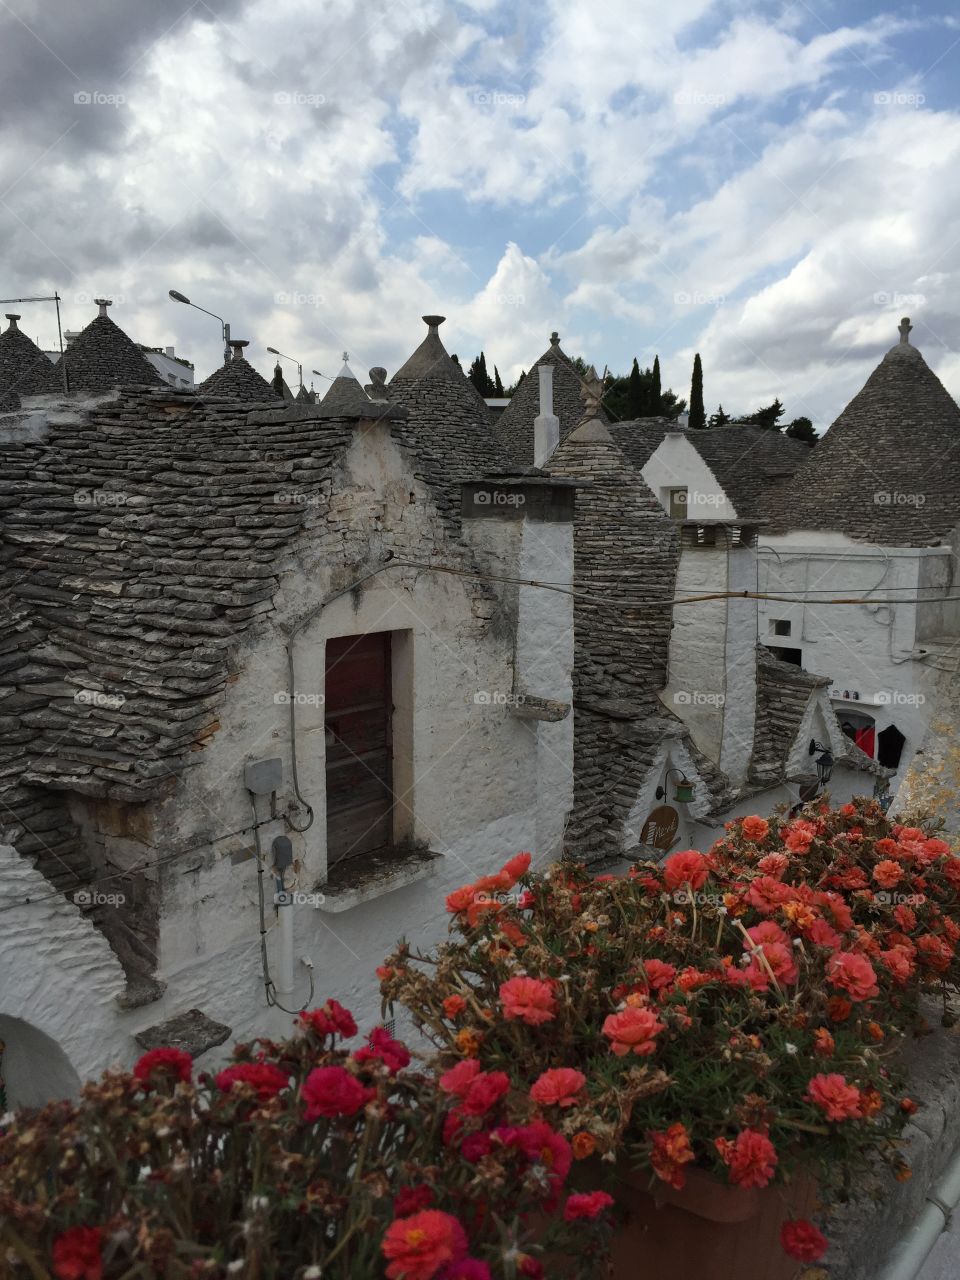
<point>909,1255</point>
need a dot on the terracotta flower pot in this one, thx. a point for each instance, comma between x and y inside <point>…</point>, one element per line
<point>709,1230</point>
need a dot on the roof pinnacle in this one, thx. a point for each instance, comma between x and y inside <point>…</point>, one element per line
<point>905,326</point>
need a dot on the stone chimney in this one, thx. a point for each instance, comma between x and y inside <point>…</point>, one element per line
<point>278,380</point>
<point>13,318</point>
<point>103,303</point>
<point>238,344</point>
<point>546,426</point>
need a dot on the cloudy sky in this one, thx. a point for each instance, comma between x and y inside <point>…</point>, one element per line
<point>772,184</point>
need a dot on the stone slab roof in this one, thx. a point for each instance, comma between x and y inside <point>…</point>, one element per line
<point>100,358</point>
<point>238,380</point>
<point>514,427</point>
<point>888,470</point>
<point>747,461</point>
<point>24,369</point>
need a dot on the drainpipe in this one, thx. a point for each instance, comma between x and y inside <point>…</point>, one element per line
<point>911,1253</point>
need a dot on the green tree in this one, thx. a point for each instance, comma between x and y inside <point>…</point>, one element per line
<point>497,384</point>
<point>656,395</point>
<point>718,419</point>
<point>514,387</point>
<point>636,405</point>
<point>697,417</point>
<point>768,417</point>
<point>479,377</point>
<point>802,429</point>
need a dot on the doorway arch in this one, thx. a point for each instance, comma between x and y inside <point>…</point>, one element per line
<point>34,1068</point>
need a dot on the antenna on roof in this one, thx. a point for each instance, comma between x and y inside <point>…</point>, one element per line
<point>54,297</point>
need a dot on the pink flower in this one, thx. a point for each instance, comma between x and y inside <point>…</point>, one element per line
<point>688,868</point>
<point>558,1087</point>
<point>632,1031</point>
<point>528,999</point>
<point>853,974</point>
<point>751,1158</point>
<point>459,1078</point>
<point>835,1098</point>
<point>332,1091</point>
<point>484,1091</point>
<point>586,1204</point>
<point>382,1047</point>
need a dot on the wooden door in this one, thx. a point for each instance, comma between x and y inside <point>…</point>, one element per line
<point>358,709</point>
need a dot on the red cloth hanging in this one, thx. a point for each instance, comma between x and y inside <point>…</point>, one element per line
<point>866,740</point>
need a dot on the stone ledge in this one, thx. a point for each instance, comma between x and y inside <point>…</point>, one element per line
<point>550,710</point>
<point>863,1232</point>
<point>371,876</point>
<point>192,1031</point>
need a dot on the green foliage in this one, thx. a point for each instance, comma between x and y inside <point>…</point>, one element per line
<point>697,417</point>
<point>802,429</point>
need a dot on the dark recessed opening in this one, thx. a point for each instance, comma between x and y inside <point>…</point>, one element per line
<point>781,627</point>
<point>890,746</point>
<point>793,656</point>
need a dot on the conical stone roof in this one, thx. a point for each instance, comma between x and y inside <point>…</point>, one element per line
<point>344,395</point>
<point>102,357</point>
<point>238,380</point>
<point>514,428</point>
<point>446,410</point>
<point>24,369</point>
<point>888,470</point>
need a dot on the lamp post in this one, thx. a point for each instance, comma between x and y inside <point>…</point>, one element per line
<point>279,354</point>
<point>179,297</point>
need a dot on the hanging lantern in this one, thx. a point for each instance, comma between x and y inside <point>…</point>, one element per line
<point>824,761</point>
<point>683,791</point>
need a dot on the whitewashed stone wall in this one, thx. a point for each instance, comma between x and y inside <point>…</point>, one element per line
<point>676,464</point>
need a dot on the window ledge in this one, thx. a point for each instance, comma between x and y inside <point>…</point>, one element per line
<point>370,876</point>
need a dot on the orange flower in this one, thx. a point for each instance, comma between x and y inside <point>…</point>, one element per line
<point>670,1151</point>
<point>871,1102</point>
<point>751,1158</point>
<point>823,1043</point>
<point>460,899</point>
<point>584,1144</point>
<point>875,1031</point>
<point>468,1041</point>
<point>909,1106</point>
<point>528,999</point>
<point>835,1098</point>
<point>853,974</point>
<point>689,868</point>
<point>888,873</point>
<point>454,1005</point>
<point>838,1009</point>
<point>755,828</point>
<point>632,1031</point>
<point>558,1087</point>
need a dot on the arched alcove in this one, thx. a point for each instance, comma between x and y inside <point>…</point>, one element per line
<point>35,1069</point>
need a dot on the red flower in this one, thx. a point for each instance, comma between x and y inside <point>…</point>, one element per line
<point>632,1031</point>
<point>670,1151</point>
<point>558,1087</point>
<point>333,1091</point>
<point>331,1019</point>
<point>751,1158</point>
<point>755,828</point>
<point>459,1078</point>
<point>905,918</point>
<point>484,1091</point>
<point>822,935</point>
<point>934,953</point>
<point>853,974</point>
<point>453,1006</point>
<point>265,1079</point>
<point>658,974</point>
<point>888,873</point>
<point>774,864</point>
<point>381,1047</point>
<point>898,963</point>
<point>823,1043</point>
<point>835,1098</point>
<point>586,1204</point>
<point>173,1063</point>
<point>765,894</point>
<point>529,1268</point>
<point>540,1145</point>
<point>512,871</point>
<point>799,836</point>
<point>528,999</point>
<point>411,1200</point>
<point>76,1253</point>
<point>688,868</point>
<point>800,1239</point>
<point>461,899</point>
<point>419,1246</point>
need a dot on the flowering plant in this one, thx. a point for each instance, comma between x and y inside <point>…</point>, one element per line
<point>297,1160</point>
<point>729,1011</point>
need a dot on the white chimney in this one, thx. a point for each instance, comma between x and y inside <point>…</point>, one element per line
<point>170,351</point>
<point>546,426</point>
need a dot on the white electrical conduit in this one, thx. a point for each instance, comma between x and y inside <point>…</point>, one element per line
<point>909,1255</point>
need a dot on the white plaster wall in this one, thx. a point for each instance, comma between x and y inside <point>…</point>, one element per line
<point>676,464</point>
<point>58,980</point>
<point>862,648</point>
<point>696,676</point>
<point>485,782</point>
<point>739,710</point>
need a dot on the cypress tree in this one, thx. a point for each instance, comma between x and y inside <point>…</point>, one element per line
<point>497,384</point>
<point>656,395</point>
<point>719,419</point>
<point>636,400</point>
<point>697,417</point>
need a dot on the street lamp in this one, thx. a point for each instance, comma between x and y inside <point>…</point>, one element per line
<point>274,352</point>
<point>179,297</point>
<point>824,761</point>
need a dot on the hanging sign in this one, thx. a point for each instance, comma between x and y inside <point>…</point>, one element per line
<point>660,827</point>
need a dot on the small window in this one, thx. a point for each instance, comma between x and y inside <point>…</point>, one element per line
<point>890,744</point>
<point>781,627</point>
<point>793,656</point>
<point>678,504</point>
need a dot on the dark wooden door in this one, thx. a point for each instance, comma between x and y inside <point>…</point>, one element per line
<point>358,710</point>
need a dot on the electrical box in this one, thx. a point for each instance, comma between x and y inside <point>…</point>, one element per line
<point>263,777</point>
